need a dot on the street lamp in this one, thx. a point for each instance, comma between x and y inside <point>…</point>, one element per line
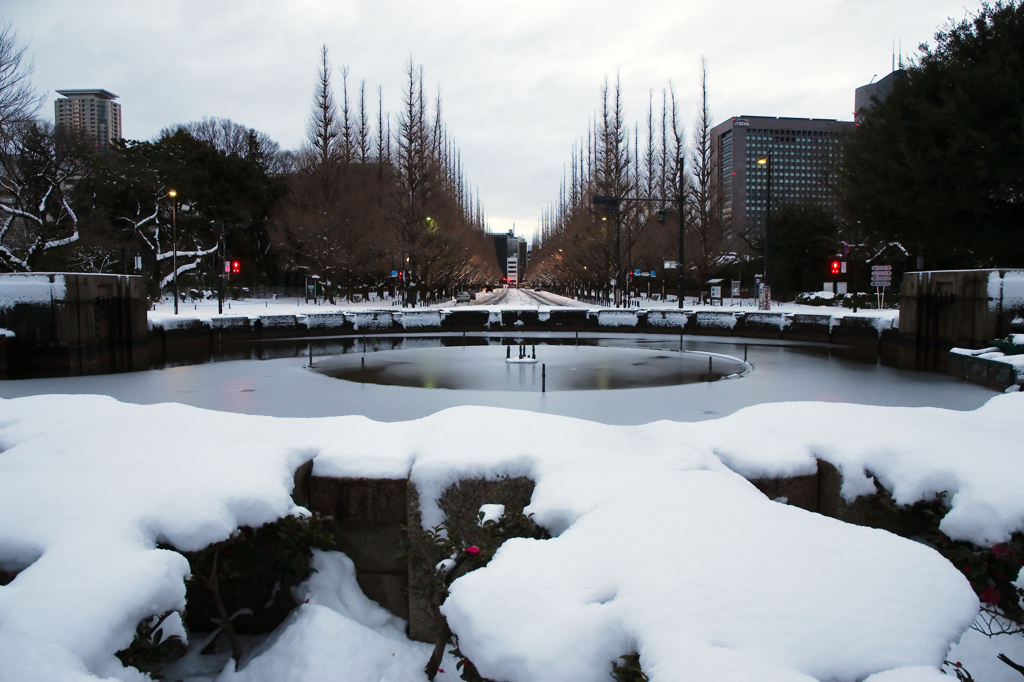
<point>682,233</point>
<point>174,244</point>
<point>766,162</point>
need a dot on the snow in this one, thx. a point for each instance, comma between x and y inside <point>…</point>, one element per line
<point>660,547</point>
<point>661,313</point>
<point>617,318</point>
<point>419,319</point>
<point>716,320</point>
<point>1013,290</point>
<point>336,629</point>
<point>491,512</point>
<point>31,288</point>
<point>753,585</point>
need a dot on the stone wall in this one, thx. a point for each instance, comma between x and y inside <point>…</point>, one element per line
<point>955,308</point>
<point>69,324</point>
<point>188,340</point>
<point>373,517</point>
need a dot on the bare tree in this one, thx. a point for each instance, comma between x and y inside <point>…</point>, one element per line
<point>348,142</point>
<point>42,173</point>
<point>235,139</point>
<point>322,129</point>
<point>18,98</point>
<point>363,130</point>
<point>709,238</point>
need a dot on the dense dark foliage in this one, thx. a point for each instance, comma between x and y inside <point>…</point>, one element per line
<point>939,164</point>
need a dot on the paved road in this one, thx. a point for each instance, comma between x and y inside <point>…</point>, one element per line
<point>525,297</point>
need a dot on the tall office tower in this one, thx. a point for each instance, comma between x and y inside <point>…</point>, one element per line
<point>91,114</point>
<point>508,247</point>
<point>805,155</point>
<point>863,95</point>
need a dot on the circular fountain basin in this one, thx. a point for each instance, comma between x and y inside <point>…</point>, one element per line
<point>557,368</point>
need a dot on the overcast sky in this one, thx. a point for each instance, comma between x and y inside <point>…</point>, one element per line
<point>518,79</point>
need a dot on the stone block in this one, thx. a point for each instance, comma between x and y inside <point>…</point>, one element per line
<point>370,500</point>
<point>460,503</point>
<point>764,325</point>
<point>519,320</point>
<point>809,329</point>
<point>797,491</point>
<point>300,488</point>
<point>468,320</point>
<point>867,511</point>
<point>568,320</point>
<point>387,589</point>
<point>713,324</point>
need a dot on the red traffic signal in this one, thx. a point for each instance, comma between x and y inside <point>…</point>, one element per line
<point>837,267</point>
<point>236,267</point>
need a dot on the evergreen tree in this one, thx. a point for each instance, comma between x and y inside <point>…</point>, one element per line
<point>939,164</point>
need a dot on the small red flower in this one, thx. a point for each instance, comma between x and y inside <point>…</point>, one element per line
<point>990,595</point>
<point>440,670</point>
<point>1001,550</point>
<point>473,550</point>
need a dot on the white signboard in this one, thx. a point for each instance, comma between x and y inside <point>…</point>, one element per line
<point>671,265</point>
<point>716,292</point>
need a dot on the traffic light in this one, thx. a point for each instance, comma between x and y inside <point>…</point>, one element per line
<point>236,267</point>
<point>837,266</point>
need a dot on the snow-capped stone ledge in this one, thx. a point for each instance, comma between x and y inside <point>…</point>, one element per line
<point>987,366</point>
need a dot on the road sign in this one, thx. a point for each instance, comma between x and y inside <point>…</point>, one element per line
<point>613,282</point>
<point>881,275</point>
<point>671,264</point>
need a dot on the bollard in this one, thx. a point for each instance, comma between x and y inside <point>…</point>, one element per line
<point>508,352</point>
<point>463,339</point>
<point>310,355</point>
<point>362,370</point>
<point>709,365</point>
<point>543,378</point>
<point>680,341</point>
<point>577,339</point>
<point>744,352</point>
<point>364,343</point>
<point>534,351</point>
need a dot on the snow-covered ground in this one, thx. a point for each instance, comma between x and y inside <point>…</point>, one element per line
<point>659,546</point>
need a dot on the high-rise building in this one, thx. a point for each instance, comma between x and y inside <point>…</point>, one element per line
<point>91,114</point>
<point>512,254</point>
<point>878,90</point>
<point>805,156</point>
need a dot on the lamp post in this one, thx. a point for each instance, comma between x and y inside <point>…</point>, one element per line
<point>174,244</point>
<point>682,201</point>
<point>766,162</point>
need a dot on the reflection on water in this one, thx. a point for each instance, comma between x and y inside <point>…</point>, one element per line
<point>559,367</point>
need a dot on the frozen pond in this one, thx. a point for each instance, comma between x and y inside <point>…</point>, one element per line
<point>286,387</point>
<point>543,367</point>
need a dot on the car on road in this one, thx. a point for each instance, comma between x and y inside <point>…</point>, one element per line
<point>462,297</point>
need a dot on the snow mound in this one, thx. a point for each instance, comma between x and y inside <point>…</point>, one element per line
<point>701,573</point>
